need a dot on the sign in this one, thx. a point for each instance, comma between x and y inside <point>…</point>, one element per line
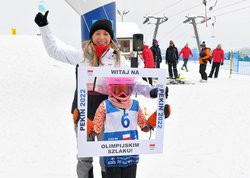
<point>92,10</point>
<point>13,31</point>
<point>84,6</point>
<point>125,146</point>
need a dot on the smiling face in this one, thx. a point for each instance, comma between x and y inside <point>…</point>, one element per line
<point>101,38</point>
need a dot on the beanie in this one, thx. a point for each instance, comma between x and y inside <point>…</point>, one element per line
<point>203,45</point>
<point>154,41</point>
<point>103,24</point>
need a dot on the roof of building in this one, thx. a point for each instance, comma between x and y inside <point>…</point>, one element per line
<point>126,29</point>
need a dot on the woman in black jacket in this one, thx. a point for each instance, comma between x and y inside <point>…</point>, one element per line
<point>157,53</point>
<point>172,59</point>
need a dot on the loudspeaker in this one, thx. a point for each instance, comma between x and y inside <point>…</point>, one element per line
<point>137,42</point>
<point>134,62</point>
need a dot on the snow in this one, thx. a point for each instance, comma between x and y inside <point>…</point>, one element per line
<point>206,136</point>
<point>127,29</point>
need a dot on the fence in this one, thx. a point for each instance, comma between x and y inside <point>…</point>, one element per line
<point>241,62</point>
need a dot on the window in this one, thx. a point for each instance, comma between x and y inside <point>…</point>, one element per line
<point>124,45</point>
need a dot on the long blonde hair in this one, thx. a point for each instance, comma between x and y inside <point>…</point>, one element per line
<point>90,54</point>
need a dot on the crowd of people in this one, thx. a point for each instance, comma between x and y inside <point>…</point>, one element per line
<point>216,57</point>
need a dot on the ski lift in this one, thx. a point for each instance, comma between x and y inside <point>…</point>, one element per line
<point>211,8</point>
<point>213,23</point>
<point>123,13</point>
<point>205,4</point>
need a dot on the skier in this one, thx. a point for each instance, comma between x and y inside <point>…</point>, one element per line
<point>119,116</point>
<point>99,51</point>
<point>148,58</point>
<point>186,52</point>
<point>218,59</point>
<point>157,53</point>
<point>172,60</point>
<point>203,59</point>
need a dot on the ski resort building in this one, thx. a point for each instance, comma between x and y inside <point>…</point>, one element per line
<point>124,35</point>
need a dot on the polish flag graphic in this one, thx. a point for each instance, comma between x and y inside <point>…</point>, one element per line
<point>126,137</point>
<point>90,72</point>
<point>151,146</point>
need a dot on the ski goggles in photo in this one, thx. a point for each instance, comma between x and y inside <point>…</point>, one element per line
<point>122,90</point>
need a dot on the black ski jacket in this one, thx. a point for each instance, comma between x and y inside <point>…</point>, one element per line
<point>171,54</point>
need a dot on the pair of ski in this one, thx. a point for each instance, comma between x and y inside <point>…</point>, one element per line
<point>179,81</point>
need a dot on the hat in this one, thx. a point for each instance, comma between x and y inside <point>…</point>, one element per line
<point>203,45</point>
<point>155,41</point>
<point>103,24</point>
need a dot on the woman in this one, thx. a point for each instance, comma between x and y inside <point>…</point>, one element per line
<point>99,51</point>
<point>148,61</point>
<point>172,60</point>
<point>185,52</point>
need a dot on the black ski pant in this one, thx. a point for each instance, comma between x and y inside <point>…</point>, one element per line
<point>157,64</point>
<point>203,71</point>
<point>216,67</point>
<point>121,172</point>
<point>84,165</point>
<point>172,66</point>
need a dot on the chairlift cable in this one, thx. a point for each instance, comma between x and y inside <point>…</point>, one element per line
<point>168,7</point>
<point>233,11</point>
<point>229,5</point>
<point>185,10</point>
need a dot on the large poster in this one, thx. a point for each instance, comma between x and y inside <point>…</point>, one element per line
<point>120,147</point>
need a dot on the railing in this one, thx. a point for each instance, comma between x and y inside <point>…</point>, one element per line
<point>240,61</point>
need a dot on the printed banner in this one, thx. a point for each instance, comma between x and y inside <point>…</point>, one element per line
<point>123,146</point>
<point>85,6</point>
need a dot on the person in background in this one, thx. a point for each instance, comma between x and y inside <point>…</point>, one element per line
<point>99,51</point>
<point>204,57</point>
<point>185,52</point>
<point>172,60</point>
<point>218,59</point>
<point>157,53</point>
<point>148,58</point>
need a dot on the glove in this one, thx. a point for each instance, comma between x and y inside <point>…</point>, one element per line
<point>90,126</point>
<point>152,119</point>
<point>166,92</point>
<point>167,110</point>
<point>76,115</point>
<point>221,63</point>
<point>41,20</point>
<point>209,60</point>
<point>204,60</point>
<point>154,93</point>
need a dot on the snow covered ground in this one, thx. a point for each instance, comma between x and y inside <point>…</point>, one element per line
<point>206,136</point>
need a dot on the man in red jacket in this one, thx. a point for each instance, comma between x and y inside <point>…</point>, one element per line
<point>218,59</point>
<point>186,52</point>
<point>148,60</point>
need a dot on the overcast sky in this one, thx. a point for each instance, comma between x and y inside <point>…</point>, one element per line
<point>231,28</point>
